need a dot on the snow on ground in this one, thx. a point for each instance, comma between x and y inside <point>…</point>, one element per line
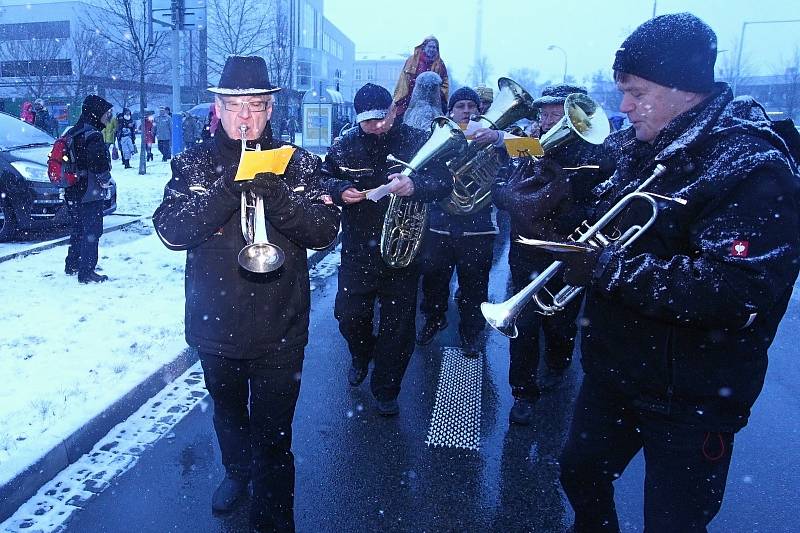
<point>67,350</point>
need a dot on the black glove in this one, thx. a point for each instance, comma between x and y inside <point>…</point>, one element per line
<point>581,268</point>
<point>266,184</point>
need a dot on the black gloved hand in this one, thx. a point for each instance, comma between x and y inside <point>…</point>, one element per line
<point>265,184</point>
<point>579,267</point>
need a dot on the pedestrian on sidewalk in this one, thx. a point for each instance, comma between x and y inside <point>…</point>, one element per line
<point>249,329</point>
<point>126,136</point>
<point>163,132</point>
<point>85,198</point>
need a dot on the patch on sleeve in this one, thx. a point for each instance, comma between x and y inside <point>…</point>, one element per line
<point>740,248</point>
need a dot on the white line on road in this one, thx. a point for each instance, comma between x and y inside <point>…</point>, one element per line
<point>456,418</point>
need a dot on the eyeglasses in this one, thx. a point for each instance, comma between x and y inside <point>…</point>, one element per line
<point>556,115</point>
<point>253,106</point>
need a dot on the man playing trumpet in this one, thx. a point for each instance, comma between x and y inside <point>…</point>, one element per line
<point>544,202</point>
<point>249,329</point>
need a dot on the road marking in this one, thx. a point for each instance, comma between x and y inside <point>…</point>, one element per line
<point>115,454</point>
<point>456,418</point>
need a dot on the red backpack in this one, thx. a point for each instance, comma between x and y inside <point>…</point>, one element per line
<point>62,166</point>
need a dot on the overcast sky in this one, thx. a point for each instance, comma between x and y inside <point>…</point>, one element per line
<point>516,33</point>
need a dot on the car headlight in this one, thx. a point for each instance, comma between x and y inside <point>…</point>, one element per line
<point>31,171</point>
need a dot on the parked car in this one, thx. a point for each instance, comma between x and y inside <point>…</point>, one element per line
<point>28,201</point>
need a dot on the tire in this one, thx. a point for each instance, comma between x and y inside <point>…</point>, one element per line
<point>8,220</point>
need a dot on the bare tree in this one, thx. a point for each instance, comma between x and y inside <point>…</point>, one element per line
<point>36,63</point>
<point>528,78</point>
<point>239,27</point>
<point>123,24</point>
<point>788,97</point>
<point>90,60</point>
<point>480,71</point>
<point>732,69</point>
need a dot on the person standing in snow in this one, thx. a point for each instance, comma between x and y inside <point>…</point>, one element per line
<point>461,243</point>
<point>249,329</point>
<point>355,163</point>
<point>544,202</point>
<point>126,137</point>
<point>677,325</point>
<point>163,132</point>
<point>85,198</point>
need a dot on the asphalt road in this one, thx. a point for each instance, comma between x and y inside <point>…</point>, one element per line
<point>357,471</point>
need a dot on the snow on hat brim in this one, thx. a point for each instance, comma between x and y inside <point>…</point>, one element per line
<point>242,92</point>
<point>372,114</point>
<point>549,100</point>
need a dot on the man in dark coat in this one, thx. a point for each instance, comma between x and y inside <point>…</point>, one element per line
<point>545,203</point>
<point>85,198</point>
<point>460,243</point>
<point>678,323</point>
<point>250,329</point>
<point>355,163</point>
<point>43,119</point>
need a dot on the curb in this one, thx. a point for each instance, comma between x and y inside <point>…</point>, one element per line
<point>64,240</point>
<point>25,484</point>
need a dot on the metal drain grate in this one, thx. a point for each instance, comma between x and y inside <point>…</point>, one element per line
<point>456,418</point>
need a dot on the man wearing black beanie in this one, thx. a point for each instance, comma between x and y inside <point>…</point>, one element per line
<point>677,324</point>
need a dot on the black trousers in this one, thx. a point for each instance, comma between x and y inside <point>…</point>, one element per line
<point>685,467</point>
<point>559,330</point>
<point>165,147</point>
<point>86,228</point>
<point>471,258</point>
<point>254,402</point>
<point>362,281</point>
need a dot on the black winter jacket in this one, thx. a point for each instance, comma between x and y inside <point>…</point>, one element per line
<point>230,311</point>
<point>358,160</point>
<point>681,320</point>
<point>91,158</point>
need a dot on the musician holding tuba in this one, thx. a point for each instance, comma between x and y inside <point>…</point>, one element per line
<point>249,328</point>
<point>678,321</point>
<point>355,165</point>
<point>462,243</point>
<point>544,202</point>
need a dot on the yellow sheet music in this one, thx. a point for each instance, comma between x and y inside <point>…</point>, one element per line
<point>255,162</point>
<point>517,146</point>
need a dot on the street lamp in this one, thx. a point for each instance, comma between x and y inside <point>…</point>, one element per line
<point>554,47</point>
<point>741,43</point>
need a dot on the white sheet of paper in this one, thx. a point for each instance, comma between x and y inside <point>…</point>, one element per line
<point>378,192</point>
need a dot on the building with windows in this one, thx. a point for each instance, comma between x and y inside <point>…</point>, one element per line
<point>380,69</point>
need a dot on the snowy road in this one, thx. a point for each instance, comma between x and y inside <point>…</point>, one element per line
<point>360,472</point>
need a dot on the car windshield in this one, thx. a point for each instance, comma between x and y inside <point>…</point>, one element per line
<point>15,133</point>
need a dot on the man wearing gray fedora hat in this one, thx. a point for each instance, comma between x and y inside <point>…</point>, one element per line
<point>250,329</point>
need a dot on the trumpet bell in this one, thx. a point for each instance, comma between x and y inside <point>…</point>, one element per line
<point>261,257</point>
<point>500,318</point>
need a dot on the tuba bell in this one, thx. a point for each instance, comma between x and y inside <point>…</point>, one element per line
<point>405,220</point>
<point>475,171</point>
<point>583,119</point>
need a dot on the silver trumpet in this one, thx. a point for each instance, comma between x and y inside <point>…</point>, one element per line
<point>259,255</point>
<point>503,316</point>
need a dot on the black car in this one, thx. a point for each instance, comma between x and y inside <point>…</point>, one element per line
<point>28,201</point>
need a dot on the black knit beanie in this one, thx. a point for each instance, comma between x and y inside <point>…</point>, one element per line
<point>676,50</point>
<point>464,93</point>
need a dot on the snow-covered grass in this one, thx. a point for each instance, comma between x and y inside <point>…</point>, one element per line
<point>68,350</point>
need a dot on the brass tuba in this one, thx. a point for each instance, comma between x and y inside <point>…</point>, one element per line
<point>475,171</point>
<point>405,219</point>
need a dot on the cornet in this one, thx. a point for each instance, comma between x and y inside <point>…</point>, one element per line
<point>259,255</point>
<point>503,316</point>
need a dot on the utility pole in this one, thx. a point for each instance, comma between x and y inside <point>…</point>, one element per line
<point>148,11</point>
<point>478,47</point>
<point>177,21</point>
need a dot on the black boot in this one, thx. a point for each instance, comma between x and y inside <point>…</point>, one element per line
<point>228,495</point>
<point>432,326</point>
<point>357,374</point>
<point>521,412</point>
<point>91,277</point>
